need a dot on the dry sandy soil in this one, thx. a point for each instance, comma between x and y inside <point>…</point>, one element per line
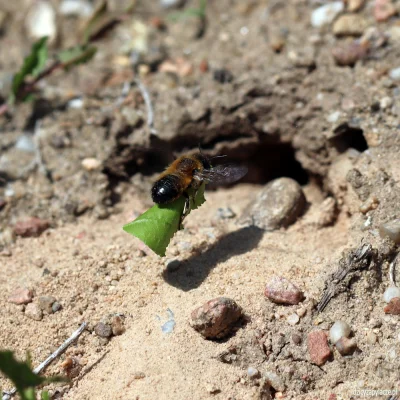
<point>260,84</point>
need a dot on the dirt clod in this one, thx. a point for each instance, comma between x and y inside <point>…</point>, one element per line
<point>46,303</point>
<point>117,325</point>
<point>346,346</point>
<point>216,318</point>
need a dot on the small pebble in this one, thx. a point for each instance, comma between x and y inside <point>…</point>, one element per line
<point>56,307</point>
<point>395,74</point>
<point>346,346</point>
<point>139,375</point>
<point>338,330</point>
<point>350,25</point>
<point>72,367</point>
<point>385,102</point>
<point>253,373</point>
<point>103,330</point>
<point>390,293</point>
<point>355,5</point>
<point>383,10</point>
<point>325,14</point>
<point>370,204</point>
<point>274,380</point>
<point>21,296</point>
<point>278,205</point>
<point>41,21</point>
<point>393,307</point>
<point>91,164</point>
<point>296,339</point>
<point>34,312</point>
<point>280,290</point>
<point>31,227</point>
<point>293,319</point>
<point>391,230</point>
<point>318,347</point>
<point>216,318</point>
<point>80,8</point>
<point>348,54</point>
<point>117,325</point>
<point>371,337</point>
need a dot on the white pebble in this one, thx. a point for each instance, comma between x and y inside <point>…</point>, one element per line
<point>41,21</point>
<point>80,8</point>
<point>339,329</point>
<point>395,73</point>
<point>385,102</point>
<point>275,381</point>
<point>91,164</point>
<point>293,319</point>
<point>390,293</point>
<point>25,143</point>
<point>76,103</point>
<point>334,117</point>
<point>325,14</point>
<point>253,372</point>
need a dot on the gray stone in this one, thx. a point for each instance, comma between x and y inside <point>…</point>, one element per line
<point>278,205</point>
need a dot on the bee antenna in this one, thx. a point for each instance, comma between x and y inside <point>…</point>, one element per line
<point>212,158</point>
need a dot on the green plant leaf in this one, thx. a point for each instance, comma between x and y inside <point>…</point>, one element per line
<point>156,227</point>
<point>93,22</point>
<point>33,65</point>
<point>76,55</point>
<point>18,372</point>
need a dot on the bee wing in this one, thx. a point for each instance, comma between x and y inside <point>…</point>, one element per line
<point>222,174</point>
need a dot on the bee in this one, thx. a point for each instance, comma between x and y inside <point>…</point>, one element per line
<point>190,172</point>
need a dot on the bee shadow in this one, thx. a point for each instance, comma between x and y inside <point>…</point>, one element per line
<point>190,273</point>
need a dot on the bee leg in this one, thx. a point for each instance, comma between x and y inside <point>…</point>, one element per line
<point>186,210</point>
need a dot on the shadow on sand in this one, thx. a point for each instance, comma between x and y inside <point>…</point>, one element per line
<point>190,273</point>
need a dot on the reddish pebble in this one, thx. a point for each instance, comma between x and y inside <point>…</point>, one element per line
<point>393,307</point>
<point>383,10</point>
<point>203,66</point>
<point>21,296</point>
<point>282,291</point>
<point>318,347</point>
<point>216,318</point>
<point>349,54</point>
<point>157,23</point>
<point>31,227</point>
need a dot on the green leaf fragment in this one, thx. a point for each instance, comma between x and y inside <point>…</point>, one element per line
<point>33,65</point>
<point>19,372</point>
<point>76,55</point>
<point>156,227</point>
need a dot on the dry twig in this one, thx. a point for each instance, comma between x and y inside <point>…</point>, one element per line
<point>149,106</point>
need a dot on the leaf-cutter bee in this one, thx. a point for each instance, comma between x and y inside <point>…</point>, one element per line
<point>189,172</point>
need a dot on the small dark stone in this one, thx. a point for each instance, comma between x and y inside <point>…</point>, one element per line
<point>223,76</point>
<point>117,325</point>
<point>296,339</point>
<point>103,330</point>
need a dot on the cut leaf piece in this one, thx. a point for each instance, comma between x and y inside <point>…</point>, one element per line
<point>156,227</point>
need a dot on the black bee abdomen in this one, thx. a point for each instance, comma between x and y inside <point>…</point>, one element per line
<point>166,189</point>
